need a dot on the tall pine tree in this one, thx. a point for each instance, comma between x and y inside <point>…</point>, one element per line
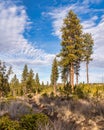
<point>72,48</point>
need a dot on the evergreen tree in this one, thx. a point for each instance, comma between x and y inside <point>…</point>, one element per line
<point>4,77</point>
<point>14,85</point>
<point>72,47</point>
<point>30,81</point>
<point>88,48</point>
<point>25,73</point>
<point>24,78</point>
<point>37,82</point>
<point>54,74</point>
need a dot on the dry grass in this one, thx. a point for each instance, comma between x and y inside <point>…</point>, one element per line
<point>14,108</point>
<point>76,114</point>
<point>65,114</point>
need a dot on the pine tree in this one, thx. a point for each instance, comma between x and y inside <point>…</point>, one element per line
<point>14,85</point>
<point>24,78</point>
<point>37,82</point>
<point>54,74</point>
<point>25,73</point>
<point>72,47</point>
<point>30,81</point>
<point>88,48</point>
<point>4,77</point>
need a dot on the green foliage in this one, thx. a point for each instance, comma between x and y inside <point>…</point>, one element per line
<point>15,86</point>
<point>54,73</point>
<point>37,83</point>
<point>79,92</point>
<point>47,90</point>
<point>71,40</point>
<point>27,122</point>
<point>7,124</point>
<point>90,91</point>
<point>88,50</point>
<point>65,90</point>
<point>88,46</point>
<point>24,79</point>
<point>30,81</point>
<point>4,77</point>
<point>72,47</point>
<point>32,122</point>
<point>25,73</point>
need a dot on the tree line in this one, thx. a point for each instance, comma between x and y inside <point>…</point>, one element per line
<point>77,47</point>
<point>29,82</point>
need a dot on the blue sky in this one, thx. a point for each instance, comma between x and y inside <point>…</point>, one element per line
<point>30,33</point>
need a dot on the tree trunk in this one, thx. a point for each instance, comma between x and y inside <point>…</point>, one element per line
<point>72,77</point>
<point>87,74</point>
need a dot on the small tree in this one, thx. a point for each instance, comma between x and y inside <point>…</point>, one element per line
<point>54,74</point>
<point>24,78</point>
<point>37,82</point>
<point>14,85</point>
<point>4,77</point>
<point>30,81</point>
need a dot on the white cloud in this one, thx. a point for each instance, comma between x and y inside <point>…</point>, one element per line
<point>82,9</point>
<point>13,24</point>
<point>59,14</point>
<point>98,35</point>
<point>15,49</point>
<point>92,1</point>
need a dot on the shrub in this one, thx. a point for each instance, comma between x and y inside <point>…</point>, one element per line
<point>32,122</point>
<point>79,92</point>
<point>7,124</point>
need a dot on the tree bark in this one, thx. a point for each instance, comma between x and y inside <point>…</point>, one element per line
<point>87,72</point>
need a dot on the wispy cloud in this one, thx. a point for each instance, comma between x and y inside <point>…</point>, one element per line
<point>58,14</point>
<point>92,1</point>
<point>14,21</point>
<point>15,49</point>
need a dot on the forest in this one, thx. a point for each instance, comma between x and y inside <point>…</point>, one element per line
<point>28,104</point>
